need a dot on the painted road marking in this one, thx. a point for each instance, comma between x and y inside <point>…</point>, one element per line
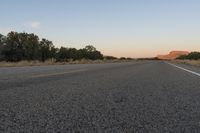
<point>59,73</point>
<point>195,73</point>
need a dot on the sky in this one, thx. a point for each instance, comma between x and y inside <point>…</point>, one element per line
<point>129,28</point>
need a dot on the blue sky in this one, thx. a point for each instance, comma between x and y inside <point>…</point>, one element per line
<point>134,28</point>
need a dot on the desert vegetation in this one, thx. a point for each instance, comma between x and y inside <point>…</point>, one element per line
<point>188,62</point>
<point>17,47</point>
<point>190,56</point>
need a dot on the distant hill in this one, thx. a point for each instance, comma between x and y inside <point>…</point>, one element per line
<point>172,55</point>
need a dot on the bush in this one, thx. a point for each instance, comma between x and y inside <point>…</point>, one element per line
<point>110,58</point>
<point>190,56</point>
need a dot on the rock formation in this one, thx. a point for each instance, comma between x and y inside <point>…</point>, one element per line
<point>172,55</point>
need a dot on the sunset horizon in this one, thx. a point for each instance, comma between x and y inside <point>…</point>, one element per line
<point>118,28</point>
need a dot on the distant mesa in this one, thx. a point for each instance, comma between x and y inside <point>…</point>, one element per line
<point>172,55</point>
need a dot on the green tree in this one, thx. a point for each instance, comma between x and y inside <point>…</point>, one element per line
<point>21,46</point>
<point>13,50</point>
<point>90,48</point>
<point>30,46</point>
<point>46,47</point>
<point>2,41</point>
<point>63,54</point>
<point>53,53</point>
<point>90,52</point>
<point>73,53</point>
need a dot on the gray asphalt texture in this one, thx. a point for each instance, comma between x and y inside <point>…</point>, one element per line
<point>143,97</point>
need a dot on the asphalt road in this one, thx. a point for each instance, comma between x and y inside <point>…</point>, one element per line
<point>145,96</point>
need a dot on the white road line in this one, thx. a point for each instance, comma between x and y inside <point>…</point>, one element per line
<point>195,73</point>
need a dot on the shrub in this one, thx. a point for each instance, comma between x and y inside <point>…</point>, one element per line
<point>190,56</point>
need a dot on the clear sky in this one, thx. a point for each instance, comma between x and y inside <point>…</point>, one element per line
<point>131,28</point>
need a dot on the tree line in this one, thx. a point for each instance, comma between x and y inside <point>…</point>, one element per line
<point>24,46</point>
<point>190,56</point>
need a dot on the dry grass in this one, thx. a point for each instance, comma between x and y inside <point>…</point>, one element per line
<point>25,63</point>
<point>188,62</point>
<point>50,62</point>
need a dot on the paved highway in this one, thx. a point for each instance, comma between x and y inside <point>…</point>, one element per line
<point>144,96</point>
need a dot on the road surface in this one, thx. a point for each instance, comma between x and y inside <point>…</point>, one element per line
<point>144,96</point>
